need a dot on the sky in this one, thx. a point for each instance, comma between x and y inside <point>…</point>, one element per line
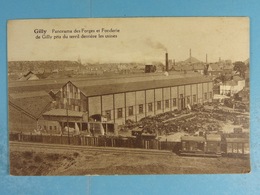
<point>142,40</point>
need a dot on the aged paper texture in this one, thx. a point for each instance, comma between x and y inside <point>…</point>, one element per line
<point>129,96</point>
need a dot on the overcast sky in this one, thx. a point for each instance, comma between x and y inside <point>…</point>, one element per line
<point>139,40</point>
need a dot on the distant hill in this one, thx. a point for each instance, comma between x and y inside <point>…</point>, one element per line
<point>36,65</point>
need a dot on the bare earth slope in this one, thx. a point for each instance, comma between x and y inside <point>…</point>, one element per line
<point>36,161</point>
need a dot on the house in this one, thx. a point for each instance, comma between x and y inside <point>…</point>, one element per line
<point>215,69</point>
<point>29,76</point>
<point>233,86</point>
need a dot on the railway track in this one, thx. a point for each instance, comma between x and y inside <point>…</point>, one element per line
<point>14,145</point>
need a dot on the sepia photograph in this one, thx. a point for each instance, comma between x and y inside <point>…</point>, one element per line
<point>129,96</point>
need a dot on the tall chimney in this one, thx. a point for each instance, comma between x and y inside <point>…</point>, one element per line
<point>190,55</point>
<point>166,62</point>
<point>206,58</point>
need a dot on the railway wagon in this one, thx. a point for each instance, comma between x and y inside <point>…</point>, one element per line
<point>210,145</point>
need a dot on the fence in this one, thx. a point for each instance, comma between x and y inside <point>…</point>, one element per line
<point>96,141</point>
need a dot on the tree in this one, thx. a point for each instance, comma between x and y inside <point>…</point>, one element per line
<point>240,67</point>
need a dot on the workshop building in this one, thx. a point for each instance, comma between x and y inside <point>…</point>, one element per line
<point>117,103</point>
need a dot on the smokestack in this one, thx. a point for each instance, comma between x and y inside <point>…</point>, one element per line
<point>190,55</point>
<point>166,62</point>
<point>206,58</point>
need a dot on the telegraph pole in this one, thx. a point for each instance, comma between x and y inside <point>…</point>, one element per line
<point>67,112</point>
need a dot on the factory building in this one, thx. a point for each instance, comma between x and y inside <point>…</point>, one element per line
<point>117,103</point>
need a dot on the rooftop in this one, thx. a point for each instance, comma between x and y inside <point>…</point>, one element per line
<point>137,86</point>
<point>193,138</point>
<point>34,105</point>
<point>213,137</point>
<point>237,140</point>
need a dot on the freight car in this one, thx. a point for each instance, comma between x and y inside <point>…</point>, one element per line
<point>214,145</point>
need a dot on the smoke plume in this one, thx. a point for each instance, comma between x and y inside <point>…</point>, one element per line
<point>155,45</point>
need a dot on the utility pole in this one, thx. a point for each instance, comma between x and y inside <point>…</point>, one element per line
<point>67,112</point>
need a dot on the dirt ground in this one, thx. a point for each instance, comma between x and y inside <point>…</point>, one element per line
<point>61,162</point>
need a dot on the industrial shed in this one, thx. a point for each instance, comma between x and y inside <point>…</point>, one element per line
<point>57,120</point>
<point>117,103</point>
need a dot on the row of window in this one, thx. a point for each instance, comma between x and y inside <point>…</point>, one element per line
<point>140,109</point>
<point>150,106</point>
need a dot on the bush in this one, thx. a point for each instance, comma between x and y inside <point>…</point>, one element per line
<point>75,154</point>
<point>28,154</point>
<point>38,159</point>
<point>53,156</point>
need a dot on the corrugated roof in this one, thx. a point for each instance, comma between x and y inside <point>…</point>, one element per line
<point>193,138</point>
<point>63,112</point>
<point>213,137</point>
<point>136,86</point>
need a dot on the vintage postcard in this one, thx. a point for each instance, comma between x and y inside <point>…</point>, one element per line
<point>105,96</point>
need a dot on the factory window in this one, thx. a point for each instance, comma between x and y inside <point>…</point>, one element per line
<point>108,115</point>
<point>167,103</point>
<point>130,111</point>
<point>194,99</point>
<point>159,105</point>
<point>188,99</point>
<point>50,128</point>
<point>55,128</point>
<point>119,113</point>
<point>150,107</point>
<point>205,96</point>
<point>174,102</point>
<point>141,109</point>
